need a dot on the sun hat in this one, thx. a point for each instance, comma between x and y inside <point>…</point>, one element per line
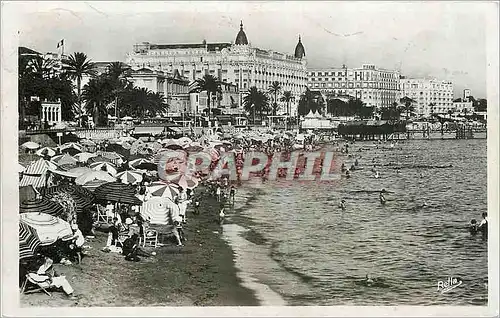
<point>128,221</point>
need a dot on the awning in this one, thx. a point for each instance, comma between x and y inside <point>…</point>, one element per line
<point>149,130</point>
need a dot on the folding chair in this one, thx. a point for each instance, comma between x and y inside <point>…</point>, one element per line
<point>34,286</point>
<point>150,238</point>
<point>104,215</point>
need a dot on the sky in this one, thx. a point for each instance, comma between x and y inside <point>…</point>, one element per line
<point>445,40</point>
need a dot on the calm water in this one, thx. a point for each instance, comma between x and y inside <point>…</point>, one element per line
<point>318,254</point>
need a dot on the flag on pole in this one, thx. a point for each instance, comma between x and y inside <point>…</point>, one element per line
<point>60,43</point>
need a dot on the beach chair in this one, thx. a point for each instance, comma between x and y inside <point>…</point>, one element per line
<point>104,215</point>
<point>150,238</point>
<point>32,286</point>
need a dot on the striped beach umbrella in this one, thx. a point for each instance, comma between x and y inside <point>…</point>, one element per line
<point>117,192</point>
<point>41,206</point>
<point>28,241</point>
<point>136,162</point>
<point>82,197</point>
<point>104,166</point>
<point>48,228</point>
<point>163,189</point>
<point>129,177</point>
<point>157,210</point>
<point>20,168</point>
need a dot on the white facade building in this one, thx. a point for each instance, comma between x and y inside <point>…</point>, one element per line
<point>239,63</point>
<point>430,95</point>
<point>374,86</point>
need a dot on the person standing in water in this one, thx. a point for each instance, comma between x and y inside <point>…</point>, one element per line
<point>483,225</point>
<point>382,197</point>
<point>342,205</point>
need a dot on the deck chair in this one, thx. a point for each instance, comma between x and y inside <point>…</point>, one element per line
<point>150,238</point>
<point>32,286</point>
<point>104,215</point>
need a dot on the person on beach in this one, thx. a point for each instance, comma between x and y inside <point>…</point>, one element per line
<point>347,174</point>
<point>182,202</point>
<point>382,197</point>
<point>221,215</point>
<point>51,279</point>
<point>76,245</point>
<point>218,192</point>
<point>232,194</point>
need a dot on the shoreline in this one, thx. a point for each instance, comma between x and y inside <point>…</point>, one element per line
<point>202,273</point>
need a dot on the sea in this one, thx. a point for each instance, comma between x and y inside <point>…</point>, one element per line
<point>293,245</point>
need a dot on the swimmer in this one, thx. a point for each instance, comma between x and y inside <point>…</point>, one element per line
<point>382,197</point>
<point>368,280</point>
<point>342,205</point>
<point>473,227</point>
<point>377,175</point>
<point>398,171</point>
<point>343,167</point>
<point>347,174</point>
<point>356,163</point>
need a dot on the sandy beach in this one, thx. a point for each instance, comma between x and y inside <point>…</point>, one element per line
<point>202,273</point>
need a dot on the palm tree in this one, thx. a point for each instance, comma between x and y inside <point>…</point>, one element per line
<point>157,103</point>
<point>407,106</point>
<point>255,101</point>
<point>274,89</point>
<point>76,66</point>
<point>287,98</point>
<point>42,67</point>
<point>96,94</point>
<point>118,73</point>
<point>211,85</point>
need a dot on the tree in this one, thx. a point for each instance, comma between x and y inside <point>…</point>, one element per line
<point>287,98</point>
<point>307,103</point>
<point>76,66</point>
<point>407,106</point>
<point>209,84</point>
<point>274,89</point>
<point>97,93</point>
<point>118,74</point>
<point>255,101</point>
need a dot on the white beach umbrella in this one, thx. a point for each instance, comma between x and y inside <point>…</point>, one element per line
<point>84,156</point>
<point>129,177</point>
<point>30,145</point>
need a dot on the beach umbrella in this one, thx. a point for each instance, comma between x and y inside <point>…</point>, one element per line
<point>186,181</point>
<point>20,168</point>
<point>184,141</point>
<point>98,158</point>
<point>84,156</point>
<point>130,177</point>
<point>113,157</point>
<point>30,145</point>
<point>48,228</point>
<point>136,162</point>
<point>41,206</point>
<point>117,192</point>
<point>103,166</point>
<point>78,171</point>
<point>174,147</point>
<point>94,175</point>
<point>162,189</point>
<point>87,143</point>
<point>28,241</point>
<point>92,185</point>
<point>82,197</point>
<point>67,202</point>
<point>127,118</point>
<point>46,151</point>
<point>157,210</point>
<point>149,166</point>
<point>70,145</point>
<point>194,147</point>
<point>36,174</point>
<point>64,159</point>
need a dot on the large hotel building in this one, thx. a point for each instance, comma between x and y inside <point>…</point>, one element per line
<point>374,86</point>
<point>430,95</point>
<point>238,63</point>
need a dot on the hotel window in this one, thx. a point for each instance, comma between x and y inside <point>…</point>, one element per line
<point>337,85</point>
<point>329,84</point>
